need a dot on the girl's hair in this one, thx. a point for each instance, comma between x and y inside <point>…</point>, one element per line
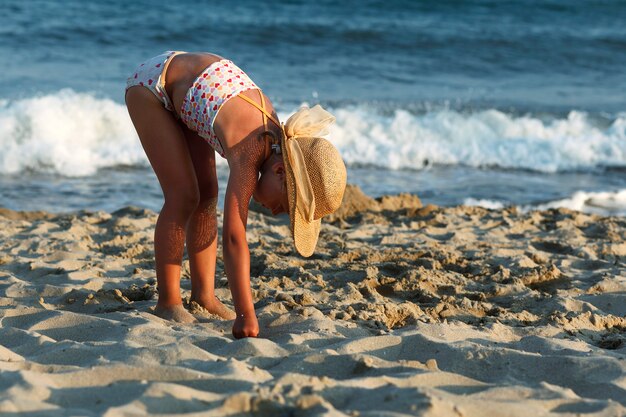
<point>271,134</point>
<point>274,138</point>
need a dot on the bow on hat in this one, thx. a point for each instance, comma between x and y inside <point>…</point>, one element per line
<point>306,122</point>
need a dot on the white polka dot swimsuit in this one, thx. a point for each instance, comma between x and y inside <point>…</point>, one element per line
<point>149,75</point>
<point>215,85</point>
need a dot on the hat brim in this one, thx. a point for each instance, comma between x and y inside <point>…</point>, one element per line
<point>305,234</point>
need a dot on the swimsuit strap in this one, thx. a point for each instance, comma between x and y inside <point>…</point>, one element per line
<point>167,65</point>
<point>164,76</point>
<point>275,146</point>
<point>263,106</point>
<point>262,109</point>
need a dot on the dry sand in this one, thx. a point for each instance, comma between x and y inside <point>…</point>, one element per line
<point>402,311</point>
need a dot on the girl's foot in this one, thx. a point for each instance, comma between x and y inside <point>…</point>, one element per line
<point>213,306</point>
<point>175,313</point>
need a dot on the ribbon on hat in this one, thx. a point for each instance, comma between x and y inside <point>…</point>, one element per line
<point>305,122</point>
<point>309,122</point>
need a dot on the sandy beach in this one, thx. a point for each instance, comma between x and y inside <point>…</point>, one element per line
<point>403,310</point>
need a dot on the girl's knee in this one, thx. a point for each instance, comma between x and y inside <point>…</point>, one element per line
<point>183,201</point>
<point>208,189</point>
<point>208,203</point>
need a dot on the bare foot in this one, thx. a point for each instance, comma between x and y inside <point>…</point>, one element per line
<point>213,306</point>
<point>175,313</point>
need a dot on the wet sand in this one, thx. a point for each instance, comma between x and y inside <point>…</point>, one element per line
<point>403,310</point>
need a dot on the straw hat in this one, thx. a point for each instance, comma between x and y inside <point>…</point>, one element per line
<point>315,172</point>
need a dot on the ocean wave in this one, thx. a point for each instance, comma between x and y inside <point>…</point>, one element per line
<point>75,134</point>
<point>67,133</point>
<point>603,202</point>
<point>489,138</point>
<point>483,202</point>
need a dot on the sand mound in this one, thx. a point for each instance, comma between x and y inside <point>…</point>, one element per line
<point>24,215</point>
<point>356,202</point>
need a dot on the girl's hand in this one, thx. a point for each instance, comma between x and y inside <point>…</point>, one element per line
<point>246,325</point>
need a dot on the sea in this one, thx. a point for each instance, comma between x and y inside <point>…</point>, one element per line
<point>493,103</point>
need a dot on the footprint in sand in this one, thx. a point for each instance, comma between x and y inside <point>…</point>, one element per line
<point>553,247</point>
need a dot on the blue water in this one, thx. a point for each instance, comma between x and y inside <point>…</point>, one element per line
<point>527,94</point>
<point>526,54</point>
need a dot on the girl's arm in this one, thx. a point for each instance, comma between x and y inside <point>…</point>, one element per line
<point>241,183</point>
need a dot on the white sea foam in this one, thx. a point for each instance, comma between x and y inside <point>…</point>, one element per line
<point>77,133</point>
<point>486,138</point>
<point>68,133</point>
<point>481,202</point>
<point>605,203</point>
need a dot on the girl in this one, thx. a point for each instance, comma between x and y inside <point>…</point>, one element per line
<point>187,106</point>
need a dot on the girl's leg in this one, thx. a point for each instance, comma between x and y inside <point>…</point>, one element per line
<point>202,228</point>
<point>164,143</point>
